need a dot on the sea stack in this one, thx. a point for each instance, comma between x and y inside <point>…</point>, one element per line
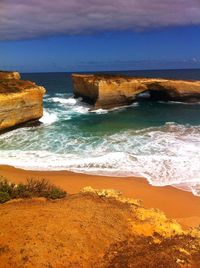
<point>108,91</point>
<point>20,101</point>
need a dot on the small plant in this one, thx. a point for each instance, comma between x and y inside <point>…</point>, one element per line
<point>4,197</point>
<point>55,193</point>
<point>32,188</point>
<point>42,188</point>
<point>6,190</point>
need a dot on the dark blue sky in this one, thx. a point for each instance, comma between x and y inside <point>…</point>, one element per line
<point>155,38</point>
<point>177,47</point>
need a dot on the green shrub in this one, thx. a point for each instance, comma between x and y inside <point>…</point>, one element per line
<point>38,187</point>
<point>32,188</point>
<point>21,191</point>
<point>4,197</point>
<point>55,193</point>
<point>6,186</point>
<point>42,188</point>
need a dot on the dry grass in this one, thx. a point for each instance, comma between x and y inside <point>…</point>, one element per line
<point>32,188</point>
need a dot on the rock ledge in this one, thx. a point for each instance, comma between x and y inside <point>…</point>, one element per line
<point>20,101</point>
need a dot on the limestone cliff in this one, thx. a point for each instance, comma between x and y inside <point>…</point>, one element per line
<point>107,91</point>
<point>20,101</point>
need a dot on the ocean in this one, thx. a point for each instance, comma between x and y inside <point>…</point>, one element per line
<point>156,140</point>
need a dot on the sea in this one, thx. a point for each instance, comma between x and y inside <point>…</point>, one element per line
<point>156,140</point>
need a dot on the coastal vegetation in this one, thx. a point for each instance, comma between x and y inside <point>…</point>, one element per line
<point>32,188</point>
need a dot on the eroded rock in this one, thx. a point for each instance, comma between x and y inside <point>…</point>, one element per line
<point>107,91</point>
<point>20,101</point>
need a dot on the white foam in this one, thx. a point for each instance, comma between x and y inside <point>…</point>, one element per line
<point>81,109</point>
<point>75,105</point>
<point>68,101</point>
<point>105,111</point>
<point>179,102</point>
<point>48,118</point>
<point>166,155</point>
<point>100,111</point>
<point>69,106</point>
<point>46,96</point>
<point>110,164</point>
<point>43,160</point>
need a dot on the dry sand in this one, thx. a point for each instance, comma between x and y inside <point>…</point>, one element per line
<point>90,230</point>
<point>175,203</point>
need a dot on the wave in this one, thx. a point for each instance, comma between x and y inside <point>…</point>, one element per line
<point>157,170</point>
<point>179,102</point>
<point>100,111</point>
<point>165,155</point>
<point>105,111</point>
<point>48,118</point>
<point>70,104</point>
<point>76,106</point>
<point>69,101</point>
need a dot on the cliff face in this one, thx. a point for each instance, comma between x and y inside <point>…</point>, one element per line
<point>20,101</point>
<point>106,91</point>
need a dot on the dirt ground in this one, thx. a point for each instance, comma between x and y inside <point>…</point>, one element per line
<point>91,230</point>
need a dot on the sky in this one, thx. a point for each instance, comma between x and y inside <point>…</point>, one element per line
<point>99,35</point>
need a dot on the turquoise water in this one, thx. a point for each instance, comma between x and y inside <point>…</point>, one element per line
<point>160,141</point>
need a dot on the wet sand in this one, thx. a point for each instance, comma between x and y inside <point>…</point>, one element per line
<point>176,203</point>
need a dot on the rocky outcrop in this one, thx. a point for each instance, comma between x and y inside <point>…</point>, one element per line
<point>9,75</point>
<point>20,101</point>
<point>107,91</point>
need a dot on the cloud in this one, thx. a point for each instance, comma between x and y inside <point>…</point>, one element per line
<point>24,19</point>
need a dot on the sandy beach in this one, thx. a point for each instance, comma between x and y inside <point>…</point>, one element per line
<point>175,203</point>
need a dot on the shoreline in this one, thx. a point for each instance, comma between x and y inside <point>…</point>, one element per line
<point>175,203</point>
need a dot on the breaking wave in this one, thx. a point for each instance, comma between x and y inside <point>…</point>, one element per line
<point>165,155</point>
<point>48,118</point>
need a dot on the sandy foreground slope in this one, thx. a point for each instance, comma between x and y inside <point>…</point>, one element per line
<point>99,228</point>
<point>93,230</point>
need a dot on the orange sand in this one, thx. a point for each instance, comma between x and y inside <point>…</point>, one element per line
<point>175,203</point>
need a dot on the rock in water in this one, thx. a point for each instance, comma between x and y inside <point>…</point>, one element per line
<point>20,101</point>
<point>107,91</point>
